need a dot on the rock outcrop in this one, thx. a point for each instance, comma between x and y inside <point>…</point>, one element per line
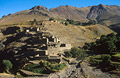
<point>36,8</point>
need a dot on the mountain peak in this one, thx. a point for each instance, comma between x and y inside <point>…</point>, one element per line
<point>39,8</point>
<point>95,11</point>
<point>101,5</point>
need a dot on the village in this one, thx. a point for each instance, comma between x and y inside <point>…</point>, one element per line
<point>42,45</point>
<point>33,44</point>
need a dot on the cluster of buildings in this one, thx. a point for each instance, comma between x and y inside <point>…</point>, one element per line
<point>42,45</point>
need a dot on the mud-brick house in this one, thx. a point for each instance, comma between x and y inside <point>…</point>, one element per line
<point>64,46</point>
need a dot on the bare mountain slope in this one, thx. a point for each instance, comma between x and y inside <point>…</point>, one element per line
<point>37,12</point>
<point>71,12</point>
<point>104,14</point>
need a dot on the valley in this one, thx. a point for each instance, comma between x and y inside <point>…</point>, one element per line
<point>62,42</point>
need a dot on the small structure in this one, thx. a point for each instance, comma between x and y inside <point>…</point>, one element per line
<point>54,39</point>
<point>65,47</point>
<point>41,52</point>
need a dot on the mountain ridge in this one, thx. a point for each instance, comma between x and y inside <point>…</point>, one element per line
<point>98,12</point>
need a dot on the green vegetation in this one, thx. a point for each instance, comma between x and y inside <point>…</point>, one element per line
<point>108,44</point>
<point>52,19</point>
<point>7,65</point>
<point>34,22</point>
<point>90,22</point>
<point>73,22</point>
<point>66,23</point>
<point>105,62</point>
<point>34,68</point>
<point>19,76</point>
<point>44,67</point>
<point>108,48</point>
<point>116,57</point>
<point>52,66</point>
<point>68,54</point>
<point>76,53</point>
<point>18,31</point>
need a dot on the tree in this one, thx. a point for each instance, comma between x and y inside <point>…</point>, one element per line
<point>71,21</point>
<point>51,19</point>
<point>91,22</point>
<point>87,46</point>
<point>68,54</point>
<point>34,20</point>
<point>77,23</point>
<point>66,23</point>
<point>103,37</point>
<point>75,52</point>
<point>106,59</point>
<point>111,46</point>
<point>7,65</point>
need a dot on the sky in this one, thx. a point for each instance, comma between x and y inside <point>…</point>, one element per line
<point>13,6</point>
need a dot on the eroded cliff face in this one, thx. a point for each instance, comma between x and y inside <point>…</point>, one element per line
<point>95,11</point>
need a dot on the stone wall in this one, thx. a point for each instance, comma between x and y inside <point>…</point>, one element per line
<point>66,47</point>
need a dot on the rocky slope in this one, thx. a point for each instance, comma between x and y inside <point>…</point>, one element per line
<point>104,14</point>
<point>80,70</point>
<point>71,12</point>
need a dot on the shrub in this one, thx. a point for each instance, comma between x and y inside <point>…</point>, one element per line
<point>66,23</point>
<point>60,66</point>
<point>116,66</point>
<point>51,19</point>
<point>73,22</point>
<point>74,51</point>
<point>34,22</point>
<point>93,61</point>
<point>38,70</point>
<point>106,59</point>
<point>91,22</point>
<point>34,68</point>
<point>7,64</point>
<point>52,67</point>
<point>77,23</point>
<point>87,46</point>
<point>18,31</point>
<point>68,54</point>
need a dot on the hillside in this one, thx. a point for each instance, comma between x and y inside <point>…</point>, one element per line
<point>103,14</point>
<point>51,43</point>
<point>76,35</point>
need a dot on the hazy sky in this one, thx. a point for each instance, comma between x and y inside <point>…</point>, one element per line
<point>12,6</point>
